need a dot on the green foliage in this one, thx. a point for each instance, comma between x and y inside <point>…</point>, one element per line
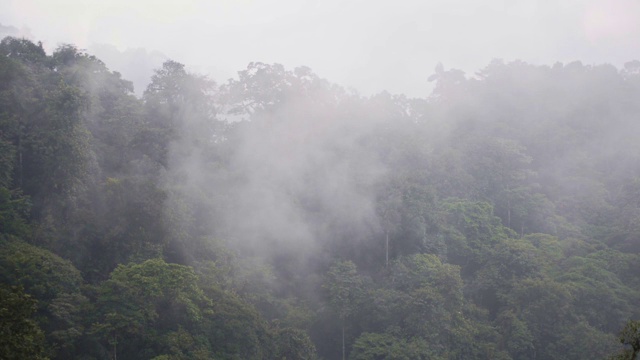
<point>582,341</point>
<point>14,210</point>
<point>433,300</point>
<point>294,344</point>
<point>473,337</point>
<point>518,340</point>
<point>236,330</point>
<point>68,323</point>
<point>418,229</point>
<point>180,104</point>
<point>344,287</point>
<point>43,274</point>
<point>496,219</point>
<point>591,285</point>
<point>372,346</point>
<point>55,284</point>
<point>20,335</point>
<point>471,231</point>
<point>153,294</point>
<point>134,225</point>
<point>630,337</point>
<point>507,265</point>
<point>155,283</point>
<point>23,50</point>
<point>7,156</point>
<point>182,345</point>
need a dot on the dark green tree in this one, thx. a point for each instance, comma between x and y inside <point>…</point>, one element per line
<point>630,337</point>
<point>20,335</point>
<point>151,295</point>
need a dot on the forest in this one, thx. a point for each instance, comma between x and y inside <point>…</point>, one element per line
<point>277,215</point>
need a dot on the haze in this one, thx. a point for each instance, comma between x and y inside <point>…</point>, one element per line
<point>367,45</point>
<point>318,180</point>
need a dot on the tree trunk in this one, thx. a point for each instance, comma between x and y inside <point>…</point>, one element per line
<point>508,211</point>
<point>387,250</point>
<point>20,161</point>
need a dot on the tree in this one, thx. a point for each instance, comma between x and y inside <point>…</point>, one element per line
<point>471,232</point>
<point>43,274</point>
<point>509,263</point>
<point>516,337</point>
<point>41,121</point>
<point>388,207</point>
<point>14,211</point>
<point>23,50</point>
<point>419,232</point>
<point>434,302</point>
<point>545,307</point>
<point>151,295</point>
<point>180,102</point>
<point>345,289</point>
<point>55,284</point>
<point>294,344</point>
<point>501,172</point>
<point>373,346</point>
<point>630,337</point>
<point>20,335</point>
<point>259,88</point>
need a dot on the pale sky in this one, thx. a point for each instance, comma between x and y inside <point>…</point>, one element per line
<point>368,45</point>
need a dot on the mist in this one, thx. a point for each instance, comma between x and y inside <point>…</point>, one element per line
<point>382,47</point>
<point>320,180</point>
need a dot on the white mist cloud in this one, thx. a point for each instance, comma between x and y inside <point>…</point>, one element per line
<point>369,45</point>
<point>294,168</point>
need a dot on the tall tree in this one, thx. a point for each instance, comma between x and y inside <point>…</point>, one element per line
<point>345,289</point>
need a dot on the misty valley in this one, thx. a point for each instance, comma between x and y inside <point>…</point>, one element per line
<point>277,215</point>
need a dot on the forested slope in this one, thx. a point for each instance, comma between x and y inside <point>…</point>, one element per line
<point>279,216</point>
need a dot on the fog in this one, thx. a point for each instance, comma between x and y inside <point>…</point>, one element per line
<point>379,45</point>
<point>320,179</point>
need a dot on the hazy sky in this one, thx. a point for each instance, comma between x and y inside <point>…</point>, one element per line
<point>369,45</point>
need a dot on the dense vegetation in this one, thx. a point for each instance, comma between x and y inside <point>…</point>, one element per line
<point>278,216</point>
